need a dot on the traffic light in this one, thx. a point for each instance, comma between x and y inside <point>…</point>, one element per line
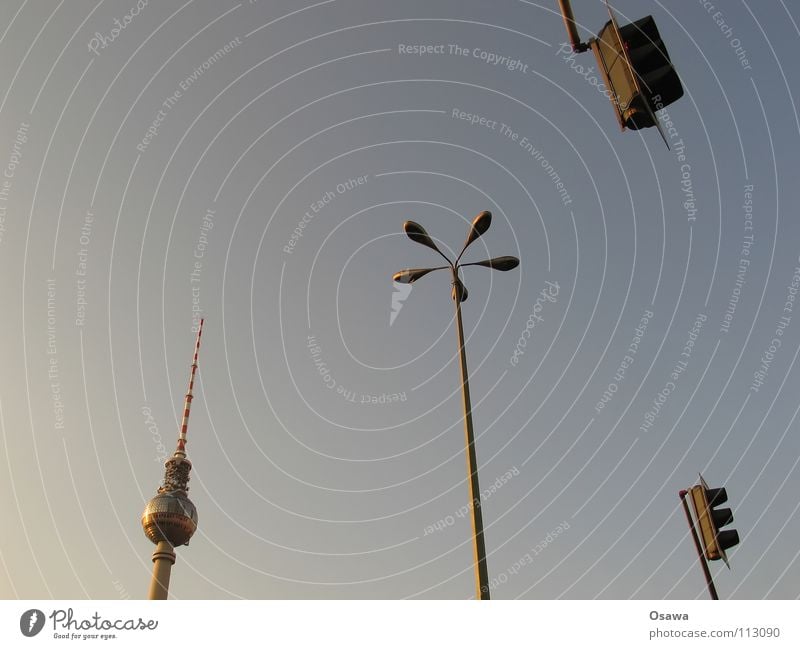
<point>638,71</point>
<point>710,519</point>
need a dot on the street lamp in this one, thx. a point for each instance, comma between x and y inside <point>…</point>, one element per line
<point>459,294</point>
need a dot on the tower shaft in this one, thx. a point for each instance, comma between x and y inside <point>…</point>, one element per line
<point>163,559</point>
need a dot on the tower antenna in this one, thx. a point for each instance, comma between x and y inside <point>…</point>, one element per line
<point>187,404</point>
<point>170,518</point>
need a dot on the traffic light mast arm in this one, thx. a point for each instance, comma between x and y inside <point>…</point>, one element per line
<point>571,27</point>
<point>701,556</point>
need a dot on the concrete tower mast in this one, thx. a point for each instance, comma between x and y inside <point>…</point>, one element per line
<point>170,518</point>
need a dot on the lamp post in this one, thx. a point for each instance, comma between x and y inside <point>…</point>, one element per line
<point>459,294</point>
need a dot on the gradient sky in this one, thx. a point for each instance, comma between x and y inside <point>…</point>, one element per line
<point>194,140</point>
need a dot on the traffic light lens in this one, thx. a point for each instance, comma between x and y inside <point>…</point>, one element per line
<point>727,539</point>
<point>716,497</point>
<point>722,517</point>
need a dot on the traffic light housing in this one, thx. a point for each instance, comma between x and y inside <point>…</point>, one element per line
<point>711,518</point>
<point>638,72</point>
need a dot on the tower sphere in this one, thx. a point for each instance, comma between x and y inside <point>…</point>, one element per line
<point>170,516</point>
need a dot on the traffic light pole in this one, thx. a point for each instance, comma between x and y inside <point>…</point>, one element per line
<point>703,563</point>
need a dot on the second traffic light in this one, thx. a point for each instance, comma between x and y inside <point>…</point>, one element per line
<point>638,71</point>
<point>711,518</point>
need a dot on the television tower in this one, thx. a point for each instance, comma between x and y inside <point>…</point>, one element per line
<point>170,518</point>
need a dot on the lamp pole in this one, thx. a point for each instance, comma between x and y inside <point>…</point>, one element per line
<point>459,294</point>
<point>479,544</point>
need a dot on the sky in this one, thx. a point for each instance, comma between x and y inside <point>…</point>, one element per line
<point>253,163</point>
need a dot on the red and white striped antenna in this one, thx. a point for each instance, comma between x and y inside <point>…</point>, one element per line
<point>187,404</point>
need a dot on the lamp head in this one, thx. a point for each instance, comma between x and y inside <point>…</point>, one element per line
<point>479,225</point>
<point>506,262</point>
<point>411,275</point>
<point>417,233</point>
